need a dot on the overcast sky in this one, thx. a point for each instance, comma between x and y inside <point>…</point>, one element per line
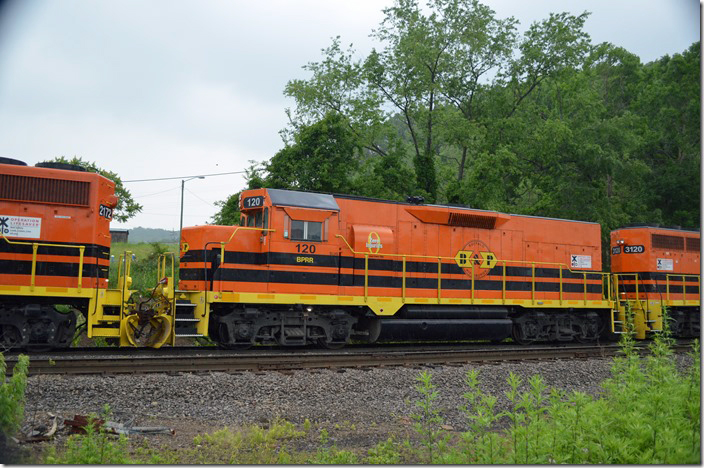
<point>176,88</point>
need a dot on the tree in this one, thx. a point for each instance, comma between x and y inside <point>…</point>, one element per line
<point>453,60</point>
<point>669,101</point>
<point>321,159</point>
<point>126,207</point>
<point>229,214</point>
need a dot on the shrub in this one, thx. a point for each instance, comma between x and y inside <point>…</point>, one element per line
<point>649,413</point>
<point>12,394</point>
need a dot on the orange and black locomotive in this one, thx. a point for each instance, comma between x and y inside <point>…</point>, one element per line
<point>320,268</point>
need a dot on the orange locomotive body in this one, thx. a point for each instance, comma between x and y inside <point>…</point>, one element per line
<point>54,247</point>
<point>658,268</point>
<point>314,267</point>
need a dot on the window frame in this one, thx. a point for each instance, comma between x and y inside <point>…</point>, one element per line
<point>306,232</point>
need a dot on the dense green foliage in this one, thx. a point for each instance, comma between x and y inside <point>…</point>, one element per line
<point>455,105</point>
<point>12,394</point>
<point>126,207</point>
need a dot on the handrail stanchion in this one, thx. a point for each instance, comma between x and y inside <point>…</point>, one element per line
<point>439,278</point>
<point>472,270</point>
<point>503,284</point>
<point>81,251</point>
<point>366,277</point>
<point>667,287</point>
<point>35,246</point>
<point>403,280</point>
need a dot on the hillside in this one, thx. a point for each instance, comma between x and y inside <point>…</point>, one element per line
<point>140,234</point>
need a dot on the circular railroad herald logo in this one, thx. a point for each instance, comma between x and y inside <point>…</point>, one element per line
<point>374,242</point>
<point>476,259</point>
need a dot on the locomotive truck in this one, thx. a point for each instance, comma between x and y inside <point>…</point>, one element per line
<point>326,269</point>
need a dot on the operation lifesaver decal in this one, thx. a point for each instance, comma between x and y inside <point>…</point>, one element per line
<point>20,226</point>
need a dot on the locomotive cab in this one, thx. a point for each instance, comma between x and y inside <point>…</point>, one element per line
<point>282,248</point>
<point>656,271</point>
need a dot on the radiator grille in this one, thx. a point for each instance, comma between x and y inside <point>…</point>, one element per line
<point>661,241</point>
<point>470,220</point>
<point>41,190</point>
<point>693,244</point>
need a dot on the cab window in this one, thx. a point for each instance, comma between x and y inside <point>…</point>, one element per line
<point>306,230</point>
<point>258,218</point>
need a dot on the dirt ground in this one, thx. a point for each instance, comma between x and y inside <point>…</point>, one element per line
<point>355,438</point>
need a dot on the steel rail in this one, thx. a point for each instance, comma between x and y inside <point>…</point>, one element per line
<point>256,360</point>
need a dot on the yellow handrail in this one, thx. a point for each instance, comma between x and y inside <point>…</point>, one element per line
<point>684,284</point>
<point>246,228</point>
<point>35,247</point>
<point>560,266</point>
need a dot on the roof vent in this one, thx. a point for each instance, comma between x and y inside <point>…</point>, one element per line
<point>470,220</point>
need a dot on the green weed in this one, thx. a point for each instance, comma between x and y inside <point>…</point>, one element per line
<point>428,420</point>
<point>12,394</point>
<point>330,455</point>
<point>251,445</point>
<point>384,453</point>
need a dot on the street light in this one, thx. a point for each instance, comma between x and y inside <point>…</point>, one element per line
<point>180,227</point>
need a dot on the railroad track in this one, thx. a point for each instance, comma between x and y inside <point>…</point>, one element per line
<point>177,360</point>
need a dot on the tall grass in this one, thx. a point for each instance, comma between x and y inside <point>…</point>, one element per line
<point>12,394</point>
<point>144,263</point>
<point>12,403</point>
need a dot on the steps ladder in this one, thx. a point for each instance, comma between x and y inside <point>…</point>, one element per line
<point>185,323</point>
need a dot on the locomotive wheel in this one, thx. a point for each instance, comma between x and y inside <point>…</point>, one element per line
<point>589,331</point>
<point>584,339</point>
<point>11,337</point>
<point>520,333</point>
<point>324,344</point>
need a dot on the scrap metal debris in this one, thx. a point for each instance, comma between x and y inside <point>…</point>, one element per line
<point>79,422</point>
<point>42,433</point>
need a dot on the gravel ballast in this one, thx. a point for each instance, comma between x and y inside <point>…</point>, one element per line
<point>376,400</point>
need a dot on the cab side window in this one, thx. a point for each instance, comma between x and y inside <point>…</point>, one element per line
<point>306,230</point>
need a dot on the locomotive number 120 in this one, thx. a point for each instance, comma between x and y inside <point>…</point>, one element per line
<point>252,202</point>
<point>305,248</point>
